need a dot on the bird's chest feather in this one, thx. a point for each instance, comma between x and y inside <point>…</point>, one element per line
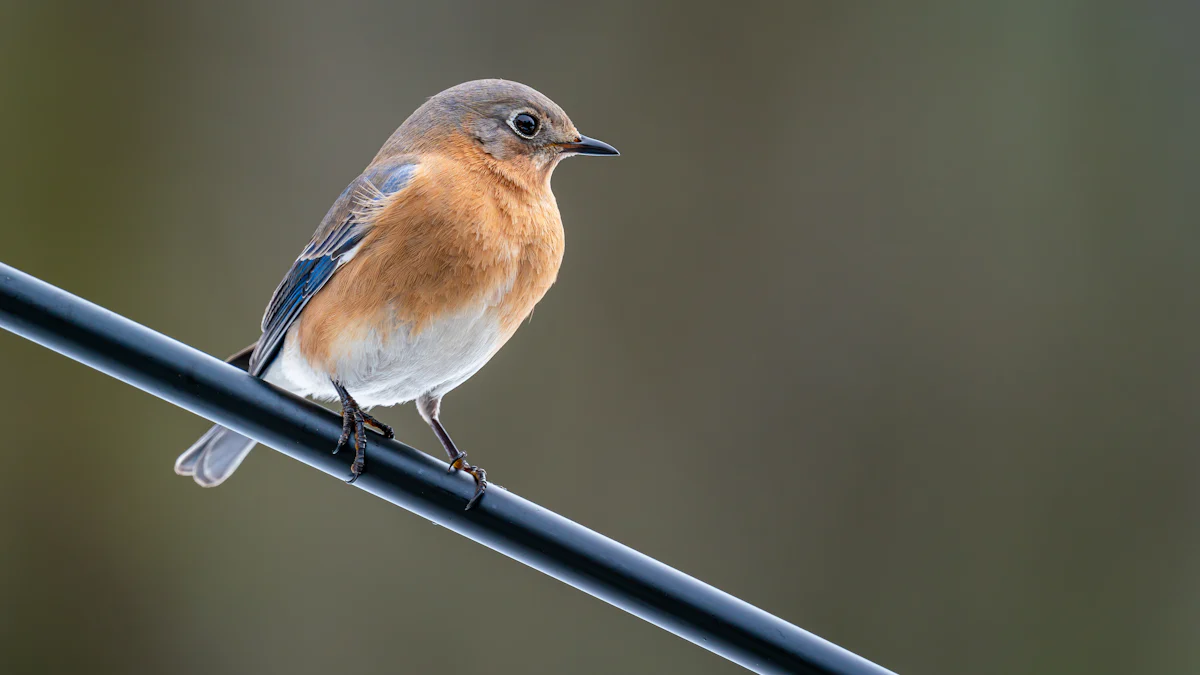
<point>425,305</point>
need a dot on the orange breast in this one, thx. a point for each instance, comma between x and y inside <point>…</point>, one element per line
<point>452,238</point>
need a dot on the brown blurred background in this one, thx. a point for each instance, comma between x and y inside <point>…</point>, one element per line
<point>886,321</point>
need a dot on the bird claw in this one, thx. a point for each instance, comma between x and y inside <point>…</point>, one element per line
<point>480,488</point>
<point>347,426</point>
<point>356,470</point>
<point>479,474</point>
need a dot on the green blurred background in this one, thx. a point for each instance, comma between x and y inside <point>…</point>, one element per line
<point>886,321</point>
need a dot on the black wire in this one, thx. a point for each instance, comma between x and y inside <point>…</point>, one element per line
<point>411,479</point>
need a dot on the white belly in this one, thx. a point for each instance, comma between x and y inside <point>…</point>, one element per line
<point>386,366</point>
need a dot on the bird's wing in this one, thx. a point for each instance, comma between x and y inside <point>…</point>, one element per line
<point>336,241</point>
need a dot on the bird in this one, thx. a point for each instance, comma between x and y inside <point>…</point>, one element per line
<point>423,268</point>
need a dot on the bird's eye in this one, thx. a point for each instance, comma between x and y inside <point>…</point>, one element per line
<point>525,125</point>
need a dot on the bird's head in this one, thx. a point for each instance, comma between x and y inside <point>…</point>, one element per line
<point>504,124</point>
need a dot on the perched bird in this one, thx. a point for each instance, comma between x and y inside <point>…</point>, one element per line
<point>423,268</point>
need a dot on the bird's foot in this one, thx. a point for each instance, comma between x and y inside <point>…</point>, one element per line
<point>348,421</point>
<point>460,464</point>
<point>354,421</point>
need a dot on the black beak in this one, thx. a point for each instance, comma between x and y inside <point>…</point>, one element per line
<point>589,146</point>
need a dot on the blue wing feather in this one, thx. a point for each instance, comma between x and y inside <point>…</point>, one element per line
<point>344,228</point>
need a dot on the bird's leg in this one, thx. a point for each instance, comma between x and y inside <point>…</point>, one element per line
<point>458,462</point>
<point>355,419</point>
<point>430,408</point>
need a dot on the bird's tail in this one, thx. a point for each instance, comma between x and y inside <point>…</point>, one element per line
<point>214,457</point>
<point>219,451</point>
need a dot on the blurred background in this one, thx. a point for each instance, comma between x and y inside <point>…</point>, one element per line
<point>885,321</point>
